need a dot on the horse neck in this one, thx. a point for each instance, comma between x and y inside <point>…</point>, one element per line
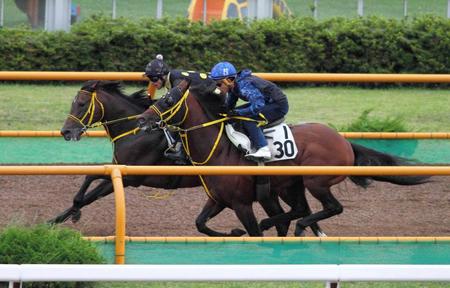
<point>117,107</point>
<point>201,141</point>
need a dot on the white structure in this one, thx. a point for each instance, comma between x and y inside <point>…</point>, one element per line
<point>360,8</point>
<point>259,9</point>
<point>332,274</point>
<point>57,15</point>
<point>2,9</point>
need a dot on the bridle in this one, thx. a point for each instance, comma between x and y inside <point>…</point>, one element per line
<point>90,112</point>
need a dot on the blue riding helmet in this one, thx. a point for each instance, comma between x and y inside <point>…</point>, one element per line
<point>223,70</point>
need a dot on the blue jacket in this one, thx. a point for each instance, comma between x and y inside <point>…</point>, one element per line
<point>258,92</point>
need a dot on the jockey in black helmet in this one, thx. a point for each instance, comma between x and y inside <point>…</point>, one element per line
<point>161,76</point>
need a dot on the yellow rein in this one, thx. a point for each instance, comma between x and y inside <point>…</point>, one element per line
<point>91,112</point>
<point>184,132</point>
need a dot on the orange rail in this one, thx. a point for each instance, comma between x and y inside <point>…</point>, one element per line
<point>350,135</point>
<point>116,172</point>
<point>277,77</point>
<point>224,170</point>
<point>267,239</point>
<point>30,133</point>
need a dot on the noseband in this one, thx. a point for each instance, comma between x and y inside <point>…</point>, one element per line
<point>90,112</point>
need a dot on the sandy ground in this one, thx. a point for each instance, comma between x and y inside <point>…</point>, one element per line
<point>381,210</point>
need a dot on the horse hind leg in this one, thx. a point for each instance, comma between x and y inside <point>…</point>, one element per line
<point>295,197</point>
<point>209,211</point>
<point>331,207</point>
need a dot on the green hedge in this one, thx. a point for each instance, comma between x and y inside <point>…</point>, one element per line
<point>44,244</point>
<point>363,45</point>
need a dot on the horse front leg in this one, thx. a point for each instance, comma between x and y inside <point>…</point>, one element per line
<point>247,217</point>
<point>79,200</point>
<point>209,211</point>
<point>272,207</point>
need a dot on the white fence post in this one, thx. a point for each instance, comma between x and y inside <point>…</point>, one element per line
<point>159,9</point>
<point>361,8</point>
<point>316,4</point>
<point>2,11</point>
<point>114,9</point>
<point>204,11</point>
<point>405,8</point>
<point>448,8</point>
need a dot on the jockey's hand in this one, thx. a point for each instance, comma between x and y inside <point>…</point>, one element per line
<point>232,113</point>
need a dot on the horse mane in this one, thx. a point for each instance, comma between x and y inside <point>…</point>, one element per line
<point>138,98</point>
<point>210,102</point>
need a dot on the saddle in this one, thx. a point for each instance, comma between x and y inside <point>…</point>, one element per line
<point>278,134</point>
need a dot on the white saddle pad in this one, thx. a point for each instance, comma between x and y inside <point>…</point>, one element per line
<point>281,141</point>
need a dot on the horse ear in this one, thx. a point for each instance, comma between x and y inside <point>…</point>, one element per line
<point>94,86</point>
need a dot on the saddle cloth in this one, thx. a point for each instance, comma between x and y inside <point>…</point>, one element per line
<point>279,137</point>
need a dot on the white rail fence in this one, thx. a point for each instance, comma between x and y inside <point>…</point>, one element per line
<point>14,273</point>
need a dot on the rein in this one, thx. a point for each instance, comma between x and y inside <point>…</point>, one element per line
<point>184,132</point>
<point>91,112</point>
<point>170,113</point>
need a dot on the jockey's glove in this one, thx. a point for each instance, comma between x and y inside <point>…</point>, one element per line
<point>232,113</point>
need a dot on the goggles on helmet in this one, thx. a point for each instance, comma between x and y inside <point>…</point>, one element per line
<point>154,78</point>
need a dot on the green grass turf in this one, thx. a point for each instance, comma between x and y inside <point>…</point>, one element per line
<point>45,107</point>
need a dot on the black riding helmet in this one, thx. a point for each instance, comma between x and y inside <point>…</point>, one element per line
<point>156,68</point>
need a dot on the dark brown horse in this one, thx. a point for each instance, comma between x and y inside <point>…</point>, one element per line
<point>104,102</point>
<point>191,112</point>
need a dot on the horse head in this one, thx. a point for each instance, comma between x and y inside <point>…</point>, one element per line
<point>173,108</point>
<point>85,110</point>
<point>103,103</point>
<point>169,109</point>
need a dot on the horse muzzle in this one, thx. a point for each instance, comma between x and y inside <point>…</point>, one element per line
<point>72,134</point>
<point>146,124</point>
<point>142,122</point>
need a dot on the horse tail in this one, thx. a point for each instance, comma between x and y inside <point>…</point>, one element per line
<point>369,157</point>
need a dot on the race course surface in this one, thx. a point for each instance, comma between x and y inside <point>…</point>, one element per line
<point>381,210</point>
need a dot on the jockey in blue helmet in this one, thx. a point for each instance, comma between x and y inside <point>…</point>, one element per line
<point>265,99</point>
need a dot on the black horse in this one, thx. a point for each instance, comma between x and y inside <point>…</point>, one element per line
<point>198,116</point>
<point>104,102</point>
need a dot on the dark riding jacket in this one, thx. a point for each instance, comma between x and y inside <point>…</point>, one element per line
<point>259,93</point>
<point>176,76</point>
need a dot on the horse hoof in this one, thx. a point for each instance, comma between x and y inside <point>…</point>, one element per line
<point>52,222</point>
<point>57,220</point>
<point>237,232</point>
<point>76,216</point>
<point>299,232</point>
<point>265,225</point>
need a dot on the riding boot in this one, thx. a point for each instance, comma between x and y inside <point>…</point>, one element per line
<point>177,153</point>
<point>258,140</point>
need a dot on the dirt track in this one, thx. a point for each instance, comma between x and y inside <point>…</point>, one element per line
<point>380,210</point>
